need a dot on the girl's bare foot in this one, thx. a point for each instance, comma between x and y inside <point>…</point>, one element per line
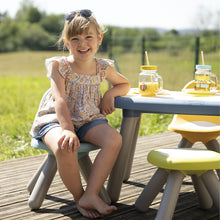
<point>94,202</point>
<point>89,213</point>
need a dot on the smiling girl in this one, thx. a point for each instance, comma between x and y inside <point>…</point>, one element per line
<point>74,111</point>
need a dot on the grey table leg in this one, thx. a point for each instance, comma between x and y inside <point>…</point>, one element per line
<point>130,159</point>
<point>128,129</point>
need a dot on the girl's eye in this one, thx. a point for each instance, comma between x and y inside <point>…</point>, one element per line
<point>89,36</point>
<point>74,39</point>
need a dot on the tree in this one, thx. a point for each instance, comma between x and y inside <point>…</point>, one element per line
<point>3,16</point>
<point>172,32</point>
<point>21,13</point>
<point>9,40</point>
<point>53,23</point>
<point>28,12</point>
<point>33,15</point>
<point>34,37</point>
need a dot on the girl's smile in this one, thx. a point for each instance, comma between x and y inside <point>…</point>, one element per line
<point>83,51</point>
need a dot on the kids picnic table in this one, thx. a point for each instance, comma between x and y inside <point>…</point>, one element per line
<point>133,106</point>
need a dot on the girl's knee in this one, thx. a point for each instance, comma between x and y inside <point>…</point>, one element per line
<point>119,139</point>
<point>64,156</point>
<point>116,140</point>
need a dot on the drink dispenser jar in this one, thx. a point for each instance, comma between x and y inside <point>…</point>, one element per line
<point>148,80</point>
<point>203,77</point>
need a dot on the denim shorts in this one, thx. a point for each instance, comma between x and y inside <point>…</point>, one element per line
<point>80,131</point>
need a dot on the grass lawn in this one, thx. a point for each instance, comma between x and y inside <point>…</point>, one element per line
<point>23,82</point>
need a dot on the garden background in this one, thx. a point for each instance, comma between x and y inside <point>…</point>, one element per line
<point>29,38</point>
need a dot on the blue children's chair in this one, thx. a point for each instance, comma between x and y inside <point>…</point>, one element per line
<point>42,179</point>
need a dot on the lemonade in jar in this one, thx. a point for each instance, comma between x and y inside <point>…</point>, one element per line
<point>203,77</point>
<point>148,80</point>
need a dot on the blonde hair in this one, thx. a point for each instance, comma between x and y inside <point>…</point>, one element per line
<point>79,25</point>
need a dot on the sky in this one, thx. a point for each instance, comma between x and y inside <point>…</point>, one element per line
<point>167,14</point>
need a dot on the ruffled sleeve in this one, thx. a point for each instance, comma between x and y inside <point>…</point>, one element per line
<point>108,62</point>
<point>104,64</point>
<point>62,67</point>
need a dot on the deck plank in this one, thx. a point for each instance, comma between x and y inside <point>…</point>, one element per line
<point>15,174</point>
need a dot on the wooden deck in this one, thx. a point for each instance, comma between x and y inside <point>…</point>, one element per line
<point>15,174</point>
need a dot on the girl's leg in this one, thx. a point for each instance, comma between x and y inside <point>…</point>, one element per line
<point>67,164</point>
<point>110,141</point>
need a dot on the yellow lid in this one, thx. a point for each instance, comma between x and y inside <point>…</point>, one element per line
<point>148,67</point>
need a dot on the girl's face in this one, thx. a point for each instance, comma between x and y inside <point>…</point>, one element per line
<point>85,45</point>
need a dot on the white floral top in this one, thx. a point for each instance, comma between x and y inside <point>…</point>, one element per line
<point>83,95</point>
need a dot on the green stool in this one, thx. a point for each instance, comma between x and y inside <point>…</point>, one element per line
<point>174,165</point>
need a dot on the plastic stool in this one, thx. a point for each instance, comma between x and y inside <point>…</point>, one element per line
<point>173,165</point>
<point>42,179</point>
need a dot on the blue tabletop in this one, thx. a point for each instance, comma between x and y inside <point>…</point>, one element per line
<point>135,105</point>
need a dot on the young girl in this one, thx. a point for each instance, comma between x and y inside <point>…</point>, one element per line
<point>74,111</point>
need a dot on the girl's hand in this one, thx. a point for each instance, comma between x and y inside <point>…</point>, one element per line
<point>69,141</point>
<point>107,104</point>
<point>120,87</point>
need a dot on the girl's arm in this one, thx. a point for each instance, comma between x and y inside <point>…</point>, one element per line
<point>68,138</point>
<point>120,87</point>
